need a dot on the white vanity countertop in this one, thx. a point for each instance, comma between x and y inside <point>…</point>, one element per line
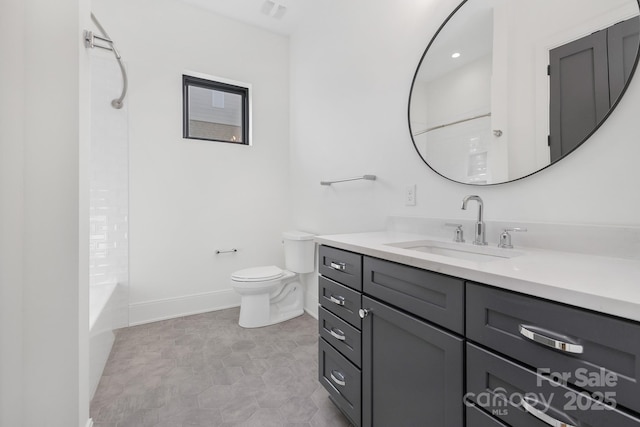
<point>604,284</point>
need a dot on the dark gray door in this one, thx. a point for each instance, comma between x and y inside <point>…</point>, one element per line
<point>579,84</point>
<point>587,77</point>
<point>412,371</point>
<point>623,43</point>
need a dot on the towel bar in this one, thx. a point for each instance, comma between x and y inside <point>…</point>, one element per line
<point>367,177</point>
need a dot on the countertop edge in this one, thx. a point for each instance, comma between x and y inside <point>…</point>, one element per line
<point>555,292</point>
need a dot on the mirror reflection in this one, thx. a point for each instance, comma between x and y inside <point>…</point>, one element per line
<point>508,87</point>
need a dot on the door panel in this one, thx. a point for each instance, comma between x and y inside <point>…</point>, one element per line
<point>579,84</point>
<point>412,371</point>
<point>623,43</point>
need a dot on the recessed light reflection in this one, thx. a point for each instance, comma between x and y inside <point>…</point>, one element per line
<point>456,55</point>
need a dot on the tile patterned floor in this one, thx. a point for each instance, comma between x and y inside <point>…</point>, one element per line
<point>205,370</point>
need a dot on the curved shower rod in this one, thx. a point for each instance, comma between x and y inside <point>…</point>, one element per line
<point>89,42</point>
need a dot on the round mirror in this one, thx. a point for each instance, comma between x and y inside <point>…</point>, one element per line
<point>506,88</point>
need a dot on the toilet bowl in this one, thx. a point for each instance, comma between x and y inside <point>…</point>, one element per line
<point>269,294</point>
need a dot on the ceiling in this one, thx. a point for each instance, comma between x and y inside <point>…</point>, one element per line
<point>279,16</point>
<point>469,32</point>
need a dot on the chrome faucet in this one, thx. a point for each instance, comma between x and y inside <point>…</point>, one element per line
<point>479,230</point>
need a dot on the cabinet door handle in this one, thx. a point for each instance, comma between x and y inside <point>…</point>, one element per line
<point>337,334</point>
<point>339,300</point>
<point>567,347</point>
<point>338,378</point>
<point>340,266</point>
<point>543,416</point>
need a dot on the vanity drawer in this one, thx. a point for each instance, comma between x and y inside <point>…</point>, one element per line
<point>434,297</point>
<point>477,418</point>
<point>344,337</point>
<point>601,353</point>
<point>340,300</point>
<point>521,398</point>
<point>342,380</point>
<point>342,266</point>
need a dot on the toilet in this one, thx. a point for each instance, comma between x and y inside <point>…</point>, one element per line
<point>269,294</point>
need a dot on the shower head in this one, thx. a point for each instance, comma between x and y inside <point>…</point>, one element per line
<point>89,42</point>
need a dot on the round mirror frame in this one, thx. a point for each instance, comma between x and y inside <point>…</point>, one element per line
<point>595,129</point>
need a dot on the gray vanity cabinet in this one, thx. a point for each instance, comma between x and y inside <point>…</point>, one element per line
<point>478,418</point>
<point>339,323</point>
<point>403,346</point>
<point>412,371</point>
<point>400,360</point>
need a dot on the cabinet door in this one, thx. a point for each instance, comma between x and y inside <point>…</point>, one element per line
<point>412,371</point>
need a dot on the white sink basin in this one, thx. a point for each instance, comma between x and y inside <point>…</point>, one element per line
<point>464,251</point>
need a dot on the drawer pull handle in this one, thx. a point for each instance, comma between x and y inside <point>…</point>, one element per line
<point>338,378</point>
<point>337,334</point>
<point>339,300</point>
<point>543,416</point>
<point>340,266</point>
<point>550,342</point>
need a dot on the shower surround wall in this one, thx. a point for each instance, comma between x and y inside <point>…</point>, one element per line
<point>109,177</point>
<point>108,213</point>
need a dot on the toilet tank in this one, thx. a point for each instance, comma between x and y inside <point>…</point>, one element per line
<point>299,251</point>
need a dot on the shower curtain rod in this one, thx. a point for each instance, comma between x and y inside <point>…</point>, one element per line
<point>89,42</point>
<point>451,124</point>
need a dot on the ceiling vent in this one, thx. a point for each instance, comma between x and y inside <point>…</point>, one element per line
<point>273,9</point>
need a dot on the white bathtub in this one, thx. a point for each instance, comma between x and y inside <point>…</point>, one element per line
<point>107,311</point>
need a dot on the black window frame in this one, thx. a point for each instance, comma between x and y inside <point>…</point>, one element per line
<point>243,91</point>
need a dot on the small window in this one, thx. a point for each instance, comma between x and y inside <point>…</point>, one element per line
<point>215,111</point>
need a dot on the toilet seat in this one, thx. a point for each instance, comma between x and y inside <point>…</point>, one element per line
<point>258,274</point>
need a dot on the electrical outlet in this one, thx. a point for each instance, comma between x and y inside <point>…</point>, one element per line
<point>410,195</point>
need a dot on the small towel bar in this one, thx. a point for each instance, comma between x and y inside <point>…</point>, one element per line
<point>218,252</point>
<point>367,177</point>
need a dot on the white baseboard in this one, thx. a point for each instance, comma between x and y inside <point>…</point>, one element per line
<point>169,308</point>
<point>311,313</point>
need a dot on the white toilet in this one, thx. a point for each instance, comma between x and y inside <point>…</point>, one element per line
<point>271,295</point>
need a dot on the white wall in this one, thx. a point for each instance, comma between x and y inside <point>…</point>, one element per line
<point>43,346</point>
<point>188,197</point>
<point>11,212</point>
<point>350,85</point>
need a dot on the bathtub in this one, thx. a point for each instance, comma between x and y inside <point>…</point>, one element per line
<point>107,311</point>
